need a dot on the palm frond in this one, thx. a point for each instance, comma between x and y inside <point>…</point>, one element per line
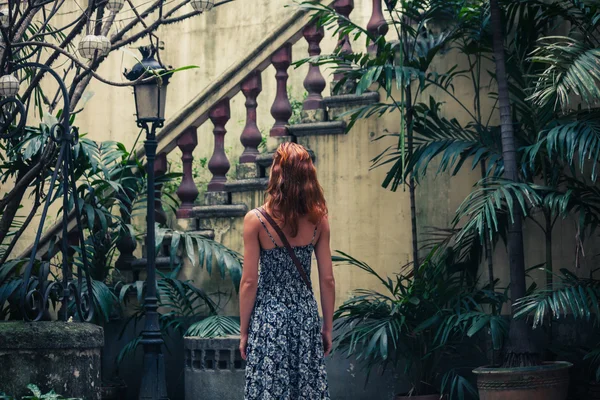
<point>575,139</point>
<point>574,295</point>
<point>491,198</point>
<point>571,69</point>
<point>214,326</point>
<point>203,252</point>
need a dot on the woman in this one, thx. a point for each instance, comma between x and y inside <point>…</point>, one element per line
<point>282,339</point>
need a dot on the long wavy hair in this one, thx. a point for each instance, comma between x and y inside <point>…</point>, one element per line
<point>294,190</point>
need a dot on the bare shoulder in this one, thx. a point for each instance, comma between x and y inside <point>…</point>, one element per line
<point>250,221</point>
<point>324,224</point>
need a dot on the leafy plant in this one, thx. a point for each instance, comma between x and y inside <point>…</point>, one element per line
<point>296,104</point>
<point>38,395</point>
<point>418,322</point>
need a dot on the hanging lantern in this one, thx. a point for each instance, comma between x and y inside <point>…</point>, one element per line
<point>202,5</point>
<point>9,86</point>
<point>91,44</point>
<point>4,18</point>
<point>115,6</point>
<point>104,45</point>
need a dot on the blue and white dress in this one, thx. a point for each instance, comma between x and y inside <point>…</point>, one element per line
<point>285,348</point>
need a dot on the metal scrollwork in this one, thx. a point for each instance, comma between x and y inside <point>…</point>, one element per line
<point>10,107</point>
<point>74,289</point>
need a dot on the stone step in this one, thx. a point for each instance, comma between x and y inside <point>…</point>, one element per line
<point>209,233</point>
<point>220,211</point>
<point>318,128</point>
<point>339,105</point>
<point>266,159</point>
<point>351,100</point>
<point>247,185</point>
<point>162,263</point>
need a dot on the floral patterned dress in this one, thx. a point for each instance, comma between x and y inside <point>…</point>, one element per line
<point>285,348</point>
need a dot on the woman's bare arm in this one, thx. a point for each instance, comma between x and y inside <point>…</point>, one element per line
<point>326,282</point>
<point>249,283</point>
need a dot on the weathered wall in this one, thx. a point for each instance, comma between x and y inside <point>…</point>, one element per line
<point>60,356</point>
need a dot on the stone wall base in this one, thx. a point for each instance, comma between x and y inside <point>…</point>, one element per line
<point>59,356</point>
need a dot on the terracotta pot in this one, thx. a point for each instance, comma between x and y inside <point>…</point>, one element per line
<point>426,397</point>
<point>549,381</point>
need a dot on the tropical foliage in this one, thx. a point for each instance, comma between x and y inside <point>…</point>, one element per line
<point>420,323</point>
<point>550,81</point>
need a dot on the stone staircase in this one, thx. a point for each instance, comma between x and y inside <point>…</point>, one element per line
<point>256,178</point>
<point>230,200</point>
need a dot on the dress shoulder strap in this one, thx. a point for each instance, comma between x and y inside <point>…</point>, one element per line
<point>289,248</point>
<point>265,226</point>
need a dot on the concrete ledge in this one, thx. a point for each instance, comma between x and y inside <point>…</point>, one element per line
<point>55,335</point>
<point>161,263</point>
<point>214,369</point>
<point>222,211</point>
<point>351,100</point>
<point>209,233</point>
<point>247,185</point>
<point>318,128</point>
<point>266,159</point>
<point>60,356</point>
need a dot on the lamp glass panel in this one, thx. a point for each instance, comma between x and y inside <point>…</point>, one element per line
<point>150,101</point>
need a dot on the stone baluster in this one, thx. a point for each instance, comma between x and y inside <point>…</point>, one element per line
<point>160,169</point>
<point>218,164</point>
<point>187,191</point>
<point>281,109</point>
<point>377,25</point>
<point>314,83</point>
<point>251,136</point>
<point>343,7</point>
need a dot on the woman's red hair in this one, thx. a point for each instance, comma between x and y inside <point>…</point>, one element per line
<point>294,190</point>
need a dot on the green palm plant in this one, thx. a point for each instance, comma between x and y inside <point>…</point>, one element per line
<point>184,310</point>
<point>418,322</point>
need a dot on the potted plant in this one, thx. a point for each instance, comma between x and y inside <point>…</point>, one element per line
<point>419,322</point>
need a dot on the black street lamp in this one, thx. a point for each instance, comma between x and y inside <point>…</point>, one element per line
<point>150,95</point>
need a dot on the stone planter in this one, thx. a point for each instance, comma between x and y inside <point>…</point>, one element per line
<point>546,382</point>
<point>59,356</point>
<point>214,369</point>
<point>593,391</point>
<point>113,391</point>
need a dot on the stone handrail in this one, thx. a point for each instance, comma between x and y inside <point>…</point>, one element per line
<point>195,113</point>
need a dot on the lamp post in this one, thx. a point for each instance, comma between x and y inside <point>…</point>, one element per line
<point>150,95</point>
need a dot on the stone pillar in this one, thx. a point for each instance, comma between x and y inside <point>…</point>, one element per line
<point>377,25</point>
<point>251,136</point>
<point>187,190</point>
<point>218,164</point>
<point>281,109</point>
<point>314,83</point>
<point>59,356</point>
<point>343,7</point>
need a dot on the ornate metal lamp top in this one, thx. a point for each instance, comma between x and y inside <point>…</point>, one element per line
<point>148,67</point>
